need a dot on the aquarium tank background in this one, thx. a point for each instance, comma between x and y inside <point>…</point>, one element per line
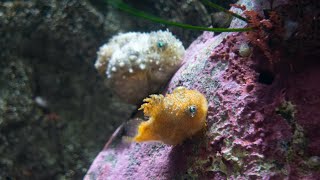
<point>74,73</point>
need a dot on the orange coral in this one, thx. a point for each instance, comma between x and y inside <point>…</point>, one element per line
<point>173,118</point>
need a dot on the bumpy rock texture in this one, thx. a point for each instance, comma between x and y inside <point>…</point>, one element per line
<point>263,118</point>
<point>47,53</point>
<point>55,111</point>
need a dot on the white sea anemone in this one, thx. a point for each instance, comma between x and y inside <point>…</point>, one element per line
<point>138,64</point>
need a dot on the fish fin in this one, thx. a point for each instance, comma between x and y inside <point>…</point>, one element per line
<point>150,103</point>
<point>131,127</point>
<point>124,133</point>
<point>114,136</point>
<point>145,133</point>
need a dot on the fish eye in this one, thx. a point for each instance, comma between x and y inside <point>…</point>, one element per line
<point>192,110</point>
<point>161,44</point>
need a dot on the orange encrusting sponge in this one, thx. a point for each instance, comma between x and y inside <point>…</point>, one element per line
<point>173,118</point>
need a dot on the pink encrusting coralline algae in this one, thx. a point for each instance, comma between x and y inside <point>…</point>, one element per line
<point>262,121</point>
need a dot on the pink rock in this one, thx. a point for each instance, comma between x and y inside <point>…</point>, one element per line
<point>262,123</point>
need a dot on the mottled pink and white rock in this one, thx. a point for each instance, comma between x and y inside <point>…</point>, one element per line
<point>263,123</point>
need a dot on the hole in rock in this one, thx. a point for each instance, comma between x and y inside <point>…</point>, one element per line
<point>266,77</point>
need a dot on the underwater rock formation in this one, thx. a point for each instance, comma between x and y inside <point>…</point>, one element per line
<point>52,101</point>
<point>138,64</point>
<point>53,104</point>
<point>263,116</point>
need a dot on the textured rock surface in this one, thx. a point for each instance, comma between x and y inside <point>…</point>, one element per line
<point>262,122</point>
<point>47,53</point>
<point>55,111</point>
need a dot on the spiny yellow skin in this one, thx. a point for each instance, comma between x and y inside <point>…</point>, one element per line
<point>173,118</point>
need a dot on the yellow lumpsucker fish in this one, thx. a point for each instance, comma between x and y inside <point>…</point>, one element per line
<point>174,117</point>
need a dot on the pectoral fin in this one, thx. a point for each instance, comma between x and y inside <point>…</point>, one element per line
<point>145,133</point>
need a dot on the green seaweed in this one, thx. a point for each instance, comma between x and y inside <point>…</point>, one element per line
<point>213,5</point>
<point>124,7</point>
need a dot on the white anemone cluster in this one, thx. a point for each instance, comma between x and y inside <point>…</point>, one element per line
<point>138,64</point>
